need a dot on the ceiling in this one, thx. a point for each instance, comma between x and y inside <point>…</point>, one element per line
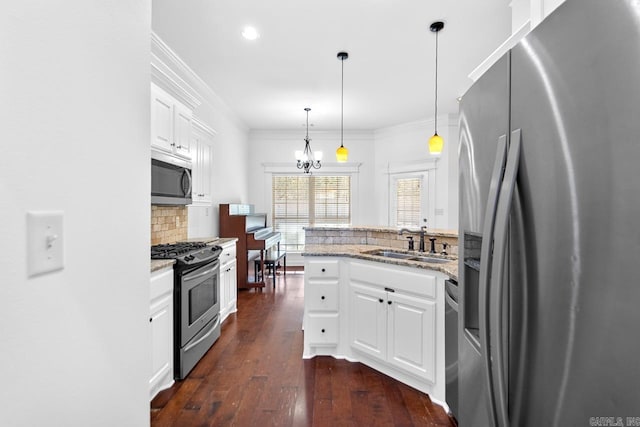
<point>388,78</point>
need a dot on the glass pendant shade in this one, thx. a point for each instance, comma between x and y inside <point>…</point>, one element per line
<point>436,143</point>
<point>342,154</point>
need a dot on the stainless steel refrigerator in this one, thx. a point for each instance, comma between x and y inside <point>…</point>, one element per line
<point>549,305</point>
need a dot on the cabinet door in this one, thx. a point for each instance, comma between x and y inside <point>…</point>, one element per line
<point>161,318</point>
<point>228,291</point>
<point>224,292</point>
<point>161,120</point>
<point>368,320</point>
<point>182,130</point>
<point>232,287</point>
<point>411,340</point>
<point>202,172</point>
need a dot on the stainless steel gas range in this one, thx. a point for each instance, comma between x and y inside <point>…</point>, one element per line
<point>196,293</point>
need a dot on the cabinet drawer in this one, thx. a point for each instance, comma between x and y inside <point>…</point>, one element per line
<point>161,283</point>
<point>320,268</point>
<point>321,329</point>
<point>321,297</point>
<point>228,255</point>
<point>419,282</point>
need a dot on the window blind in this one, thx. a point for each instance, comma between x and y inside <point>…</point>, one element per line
<point>408,202</point>
<point>300,201</point>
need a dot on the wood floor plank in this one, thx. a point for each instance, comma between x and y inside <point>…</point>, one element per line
<point>254,375</point>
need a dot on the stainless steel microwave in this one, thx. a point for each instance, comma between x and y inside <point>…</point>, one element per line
<point>171,180</point>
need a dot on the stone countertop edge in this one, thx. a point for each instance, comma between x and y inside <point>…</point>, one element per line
<point>360,252</point>
<point>159,264</point>
<point>430,231</point>
<point>213,240</point>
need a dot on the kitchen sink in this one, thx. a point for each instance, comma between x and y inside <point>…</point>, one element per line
<point>391,254</point>
<point>410,257</point>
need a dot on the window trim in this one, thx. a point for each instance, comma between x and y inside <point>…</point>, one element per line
<point>393,197</point>
<point>404,170</point>
<point>351,169</point>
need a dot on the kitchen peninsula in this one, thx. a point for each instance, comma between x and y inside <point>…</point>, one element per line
<point>362,303</point>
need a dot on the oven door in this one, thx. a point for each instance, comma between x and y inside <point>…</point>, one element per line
<point>199,299</point>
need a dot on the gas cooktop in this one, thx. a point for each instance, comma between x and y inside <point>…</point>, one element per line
<point>186,252</point>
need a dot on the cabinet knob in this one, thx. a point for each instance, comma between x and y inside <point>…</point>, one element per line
<point>380,300</point>
<point>150,319</point>
<point>322,297</point>
<point>323,270</point>
<point>323,331</point>
<point>389,302</point>
<point>173,144</point>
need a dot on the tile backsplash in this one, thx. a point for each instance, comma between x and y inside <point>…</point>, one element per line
<point>168,224</point>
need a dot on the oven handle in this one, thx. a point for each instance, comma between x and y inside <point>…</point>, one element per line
<point>204,337</point>
<point>204,273</point>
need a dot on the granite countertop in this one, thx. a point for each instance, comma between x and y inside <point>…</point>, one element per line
<point>159,264</point>
<point>212,240</point>
<point>376,228</point>
<point>363,252</point>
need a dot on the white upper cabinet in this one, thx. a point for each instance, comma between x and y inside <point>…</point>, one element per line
<point>202,150</point>
<point>170,124</point>
<point>161,119</point>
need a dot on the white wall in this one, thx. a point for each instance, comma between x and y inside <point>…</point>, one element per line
<point>75,344</point>
<point>409,143</point>
<point>230,152</point>
<point>268,147</point>
<point>230,144</point>
<point>374,151</point>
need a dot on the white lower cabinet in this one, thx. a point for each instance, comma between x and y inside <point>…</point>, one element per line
<point>388,317</point>
<point>394,327</point>
<point>411,342</point>
<point>228,280</point>
<point>161,322</point>
<point>321,302</point>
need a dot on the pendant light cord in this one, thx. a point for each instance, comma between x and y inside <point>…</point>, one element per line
<point>342,107</point>
<point>436,103</point>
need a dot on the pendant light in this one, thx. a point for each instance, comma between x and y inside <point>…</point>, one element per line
<point>342,153</point>
<point>436,142</point>
<point>306,159</point>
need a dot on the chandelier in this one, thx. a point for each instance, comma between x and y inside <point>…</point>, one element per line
<point>307,159</point>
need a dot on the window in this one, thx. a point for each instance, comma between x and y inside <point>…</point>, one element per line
<point>408,202</point>
<point>300,201</point>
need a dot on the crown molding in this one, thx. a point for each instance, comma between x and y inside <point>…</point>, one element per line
<point>326,169</point>
<point>420,125</point>
<point>166,71</point>
<point>266,136</point>
<point>416,166</point>
<point>164,62</point>
<point>201,126</point>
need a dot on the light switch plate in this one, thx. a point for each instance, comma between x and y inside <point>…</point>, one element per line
<point>45,242</point>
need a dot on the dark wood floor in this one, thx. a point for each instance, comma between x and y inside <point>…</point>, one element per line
<point>254,375</point>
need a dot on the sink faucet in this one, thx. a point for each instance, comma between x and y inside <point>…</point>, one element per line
<point>421,232</point>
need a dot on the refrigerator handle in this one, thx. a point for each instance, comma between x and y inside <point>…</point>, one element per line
<point>485,263</point>
<point>497,338</point>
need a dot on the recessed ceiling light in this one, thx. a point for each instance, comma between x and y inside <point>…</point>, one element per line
<point>250,33</point>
